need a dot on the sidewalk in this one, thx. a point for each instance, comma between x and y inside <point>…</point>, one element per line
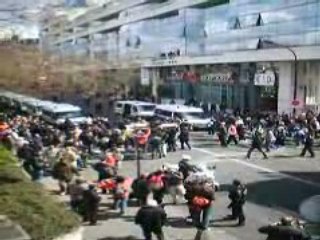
<point>112,226</point>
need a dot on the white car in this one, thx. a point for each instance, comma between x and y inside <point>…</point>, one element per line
<point>192,115</point>
<point>135,108</point>
<point>58,113</point>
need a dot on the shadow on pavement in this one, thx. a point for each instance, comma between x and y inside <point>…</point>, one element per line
<point>106,215</point>
<point>282,193</point>
<point>224,225</point>
<point>311,176</point>
<point>224,187</point>
<point>178,222</point>
<point>223,222</point>
<point>120,238</point>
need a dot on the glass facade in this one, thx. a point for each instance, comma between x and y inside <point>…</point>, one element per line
<point>237,25</point>
<point>230,85</point>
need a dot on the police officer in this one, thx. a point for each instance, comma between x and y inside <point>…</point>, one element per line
<point>222,134</point>
<point>308,144</point>
<point>237,195</point>
<point>257,142</point>
<point>171,139</point>
<point>286,229</point>
<point>184,135</point>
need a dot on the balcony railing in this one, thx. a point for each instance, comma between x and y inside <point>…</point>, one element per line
<point>152,11</point>
<point>102,12</point>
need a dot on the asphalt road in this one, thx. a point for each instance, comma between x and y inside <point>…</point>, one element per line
<point>276,187</point>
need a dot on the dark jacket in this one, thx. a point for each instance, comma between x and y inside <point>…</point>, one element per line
<point>238,195</point>
<point>184,133</point>
<point>91,200</point>
<point>284,233</point>
<point>140,188</point>
<point>257,139</point>
<point>151,218</point>
<point>309,140</point>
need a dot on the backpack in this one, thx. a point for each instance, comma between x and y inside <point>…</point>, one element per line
<point>174,179</point>
<point>200,202</point>
<point>156,182</point>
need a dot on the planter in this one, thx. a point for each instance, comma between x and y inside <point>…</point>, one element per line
<point>11,231</point>
<point>75,235</point>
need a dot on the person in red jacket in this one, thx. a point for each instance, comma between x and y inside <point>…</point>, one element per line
<point>157,186</point>
<point>121,193</point>
<point>111,160</point>
<point>142,136</point>
<point>141,139</point>
<point>4,129</point>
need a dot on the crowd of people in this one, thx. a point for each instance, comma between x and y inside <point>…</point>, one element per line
<point>64,151</point>
<point>267,132</point>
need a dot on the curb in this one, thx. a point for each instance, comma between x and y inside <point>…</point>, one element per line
<point>74,235</point>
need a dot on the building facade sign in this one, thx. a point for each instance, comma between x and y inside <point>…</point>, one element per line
<point>265,79</point>
<point>217,78</point>
<point>164,62</point>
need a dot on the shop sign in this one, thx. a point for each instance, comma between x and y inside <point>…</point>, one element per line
<point>265,79</point>
<point>217,78</point>
<point>164,62</point>
<point>295,102</point>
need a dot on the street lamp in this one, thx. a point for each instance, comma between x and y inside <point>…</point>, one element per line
<point>295,86</point>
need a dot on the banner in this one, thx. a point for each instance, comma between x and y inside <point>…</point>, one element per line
<point>217,78</point>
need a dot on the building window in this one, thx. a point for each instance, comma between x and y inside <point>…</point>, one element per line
<point>234,23</point>
<point>259,21</point>
<point>250,20</point>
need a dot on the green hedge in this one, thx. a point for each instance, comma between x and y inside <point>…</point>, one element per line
<point>28,204</point>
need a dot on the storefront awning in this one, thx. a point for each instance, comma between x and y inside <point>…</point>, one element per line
<point>261,55</point>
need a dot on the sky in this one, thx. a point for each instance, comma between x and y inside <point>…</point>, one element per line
<point>23,17</point>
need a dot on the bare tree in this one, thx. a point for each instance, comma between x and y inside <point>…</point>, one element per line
<point>25,69</point>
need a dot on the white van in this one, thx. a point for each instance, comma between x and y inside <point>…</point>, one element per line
<point>19,100</point>
<point>35,106</point>
<point>58,113</point>
<point>135,108</point>
<point>192,115</point>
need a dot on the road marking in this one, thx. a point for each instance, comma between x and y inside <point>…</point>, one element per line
<point>268,170</point>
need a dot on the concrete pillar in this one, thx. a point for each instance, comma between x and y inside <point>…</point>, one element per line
<point>118,46</point>
<point>91,46</point>
<point>252,96</point>
<point>155,78</point>
<point>285,92</point>
<point>74,40</point>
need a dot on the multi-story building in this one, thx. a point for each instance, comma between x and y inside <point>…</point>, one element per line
<point>250,54</point>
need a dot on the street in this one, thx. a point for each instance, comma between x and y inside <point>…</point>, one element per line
<point>276,187</point>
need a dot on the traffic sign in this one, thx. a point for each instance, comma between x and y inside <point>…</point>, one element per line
<point>295,102</point>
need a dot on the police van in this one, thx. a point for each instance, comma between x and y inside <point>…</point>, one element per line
<point>35,106</point>
<point>135,109</point>
<point>57,114</point>
<point>192,115</point>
